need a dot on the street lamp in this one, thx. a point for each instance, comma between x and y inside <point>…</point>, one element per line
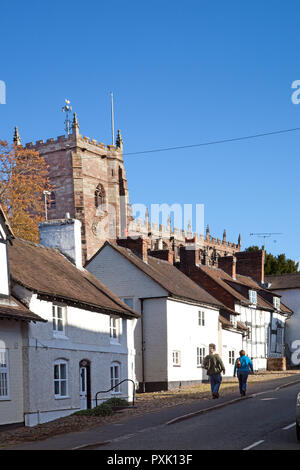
<point>46,193</point>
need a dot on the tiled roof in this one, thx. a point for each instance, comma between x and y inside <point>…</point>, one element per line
<point>14,309</point>
<point>47,272</point>
<point>284,281</point>
<point>169,277</point>
<point>228,283</point>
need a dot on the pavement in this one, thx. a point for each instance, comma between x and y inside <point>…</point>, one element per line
<point>152,424</point>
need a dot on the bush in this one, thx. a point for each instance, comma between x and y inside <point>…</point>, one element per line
<point>102,410</point>
<point>117,402</point>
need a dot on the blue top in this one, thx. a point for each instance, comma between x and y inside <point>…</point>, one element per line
<point>246,364</point>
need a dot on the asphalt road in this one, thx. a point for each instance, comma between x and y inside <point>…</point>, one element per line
<point>265,422</point>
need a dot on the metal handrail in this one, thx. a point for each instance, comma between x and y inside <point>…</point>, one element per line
<point>115,386</point>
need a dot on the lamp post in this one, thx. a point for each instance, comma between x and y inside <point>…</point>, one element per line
<point>46,193</point>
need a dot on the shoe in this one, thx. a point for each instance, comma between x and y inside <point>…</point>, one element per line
<point>214,395</point>
<point>217,395</point>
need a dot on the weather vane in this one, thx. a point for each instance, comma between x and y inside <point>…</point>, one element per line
<point>67,109</point>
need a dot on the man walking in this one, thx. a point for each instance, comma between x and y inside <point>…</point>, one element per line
<point>214,366</point>
<point>242,366</point>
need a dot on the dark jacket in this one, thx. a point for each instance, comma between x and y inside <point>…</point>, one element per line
<point>213,364</point>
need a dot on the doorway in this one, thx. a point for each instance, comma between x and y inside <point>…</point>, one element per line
<point>85,384</point>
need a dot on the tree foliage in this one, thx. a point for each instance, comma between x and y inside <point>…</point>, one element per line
<point>277,264</point>
<point>23,178</point>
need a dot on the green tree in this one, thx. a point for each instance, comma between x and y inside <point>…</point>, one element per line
<point>276,264</point>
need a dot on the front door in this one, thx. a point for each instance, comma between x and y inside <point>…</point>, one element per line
<point>83,387</point>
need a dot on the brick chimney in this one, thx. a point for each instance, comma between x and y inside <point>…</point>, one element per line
<point>167,255</point>
<point>138,246</point>
<point>228,264</point>
<point>189,257</point>
<point>251,263</point>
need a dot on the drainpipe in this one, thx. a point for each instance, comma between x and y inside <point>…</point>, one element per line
<point>143,346</point>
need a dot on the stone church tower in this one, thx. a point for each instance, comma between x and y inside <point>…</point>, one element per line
<point>89,183</point>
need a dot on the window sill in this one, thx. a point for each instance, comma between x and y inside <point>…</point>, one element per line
<point>116,343</point>
<point>176,365</point>
<point>59,336</point>
<point>61,398</point>
<point>5,399</point>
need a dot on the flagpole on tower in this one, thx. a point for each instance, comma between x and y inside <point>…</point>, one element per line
<point>112,118</point>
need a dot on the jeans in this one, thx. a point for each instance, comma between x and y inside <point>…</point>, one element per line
<point>242,376</point>
<point>215,382</point>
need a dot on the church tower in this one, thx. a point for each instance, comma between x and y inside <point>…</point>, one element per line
<point>89,183</point>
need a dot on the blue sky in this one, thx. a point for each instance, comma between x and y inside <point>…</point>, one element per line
<point>181,73</point>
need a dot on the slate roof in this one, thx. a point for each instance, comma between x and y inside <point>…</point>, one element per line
<point>48,273</point>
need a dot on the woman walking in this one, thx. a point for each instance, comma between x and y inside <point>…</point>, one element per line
<point>242,366</point>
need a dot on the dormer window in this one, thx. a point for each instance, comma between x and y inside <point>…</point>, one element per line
<point>253,296</point>
<point>276,302</point>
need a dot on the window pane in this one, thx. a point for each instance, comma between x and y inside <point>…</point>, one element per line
<point>60,326</point>
<point>56,387</point>
<point>63,388</point>
<point>63,371</point>
<point>56,372</point>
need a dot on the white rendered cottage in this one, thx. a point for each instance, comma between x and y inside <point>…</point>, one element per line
<point>85,343</point>
<point>14,320</point>
<point>178,321</point>
<point>238,283</point>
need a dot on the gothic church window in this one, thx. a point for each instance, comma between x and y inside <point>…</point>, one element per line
<point>99,197</point>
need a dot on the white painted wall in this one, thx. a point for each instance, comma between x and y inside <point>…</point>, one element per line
<point>4,282</point>
<point>184,334</point>
<point>127,281</point>
<point>11,339</point>
<point>232,341</point>
<point>168,324</point>
<point>86,337</point>
<point>258,347</point>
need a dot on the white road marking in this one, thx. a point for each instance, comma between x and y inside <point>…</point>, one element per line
<point>266,399</point>
<point>253,445</point>
<point>289,426</point>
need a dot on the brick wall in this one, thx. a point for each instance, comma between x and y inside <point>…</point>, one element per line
<point>251,263</point>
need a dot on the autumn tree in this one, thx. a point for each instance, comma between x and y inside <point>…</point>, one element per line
<point>23,178</point>
<point>277,264</point>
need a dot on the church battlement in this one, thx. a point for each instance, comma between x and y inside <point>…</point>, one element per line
<point>63,141</point>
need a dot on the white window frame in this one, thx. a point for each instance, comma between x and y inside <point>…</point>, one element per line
<point>201,353</point>
<point>231,357</point>
<point>56,320</point>
<point>253,296</point>
<point>114,329</point>
<point>58,363</point>
<point>201,318</point>
<point>233,319</point>
<point>276,302</point>
<point>114,379</point>
<point>176,358</point>
<point>4,375</point>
